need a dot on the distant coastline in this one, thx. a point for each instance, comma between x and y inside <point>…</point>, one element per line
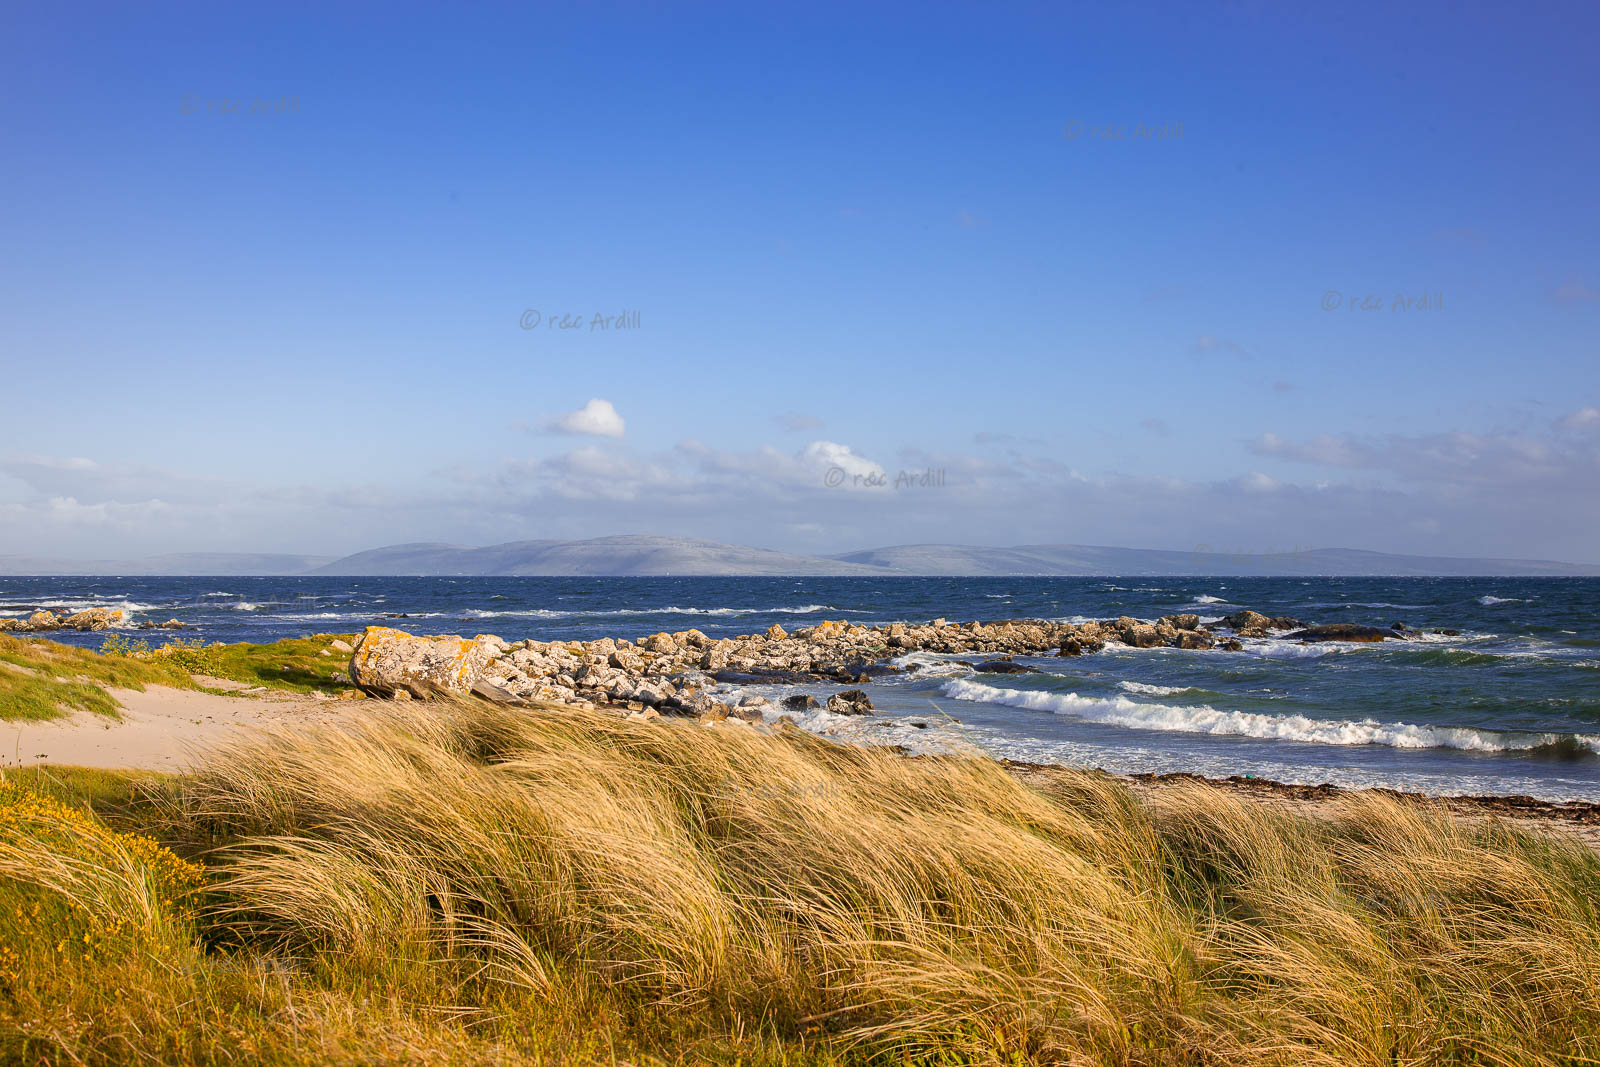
<point>658,556</point>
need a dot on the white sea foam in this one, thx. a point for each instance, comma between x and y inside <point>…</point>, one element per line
<point>546,613</point>
<point>1295,650</point>
<point>1204,719</point>
<point>1154,690</point>
<point>1208,599</point>
<point>931,665</point>
<point>72,605</point>
<point>1490,601</point>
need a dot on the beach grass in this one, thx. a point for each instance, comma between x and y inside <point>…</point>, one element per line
<point>462,883</point>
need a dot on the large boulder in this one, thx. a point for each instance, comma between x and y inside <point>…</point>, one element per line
<point>660,643</point>
<point>1004,666</point>
<point>1246,620</point>
<point>388,661</point>
<point>40,621</point>
<point>1340,631</point>
<point>1137,634</point>
<point>850,702</point>
<point>93,618</point>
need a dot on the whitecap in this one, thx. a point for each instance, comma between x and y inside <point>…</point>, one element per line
<point>1154,690</point>
<point>1204,719</point>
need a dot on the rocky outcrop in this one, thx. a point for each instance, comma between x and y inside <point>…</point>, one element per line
<point>674,672</point>
<point>1249,623</point>
<point>1004,666</point>
<point>93,619</point>
<point>44,621</point>
<point>1343,631</point>
<point>678,673</point>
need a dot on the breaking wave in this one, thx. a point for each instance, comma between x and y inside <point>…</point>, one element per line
<point>1204,719</point>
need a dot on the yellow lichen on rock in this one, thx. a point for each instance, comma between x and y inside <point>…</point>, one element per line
<point>387,660</point>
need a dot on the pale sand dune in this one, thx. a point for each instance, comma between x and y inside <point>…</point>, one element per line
<point>161,729</point>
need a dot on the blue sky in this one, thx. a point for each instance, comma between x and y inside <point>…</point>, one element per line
<point>873,237</point>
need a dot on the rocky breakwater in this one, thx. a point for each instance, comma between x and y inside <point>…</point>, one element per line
<point>677,673</point>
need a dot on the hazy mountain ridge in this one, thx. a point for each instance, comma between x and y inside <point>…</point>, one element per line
<point>625,555</point>
<point>646,555</point>
<point>1202,560</point>
<point>221,564</point>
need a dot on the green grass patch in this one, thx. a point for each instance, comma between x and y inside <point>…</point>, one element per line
<point>40,679</point>
<point>26,697</point>
<point>107,793</point>
<point>296,664</point>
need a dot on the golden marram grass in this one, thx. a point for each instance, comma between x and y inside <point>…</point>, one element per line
<point>458,883</point>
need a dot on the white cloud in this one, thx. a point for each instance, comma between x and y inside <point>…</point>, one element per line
<point>597,418</point>
<point>1509,462</point>
<point>1456,493</point>
<point>1582,419</point>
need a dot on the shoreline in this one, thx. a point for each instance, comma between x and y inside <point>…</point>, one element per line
<point>684,674</point>
<point>1578,820</point>
<point>162,730</point>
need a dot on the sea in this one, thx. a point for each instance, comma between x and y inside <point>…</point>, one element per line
<point>1508,705</point>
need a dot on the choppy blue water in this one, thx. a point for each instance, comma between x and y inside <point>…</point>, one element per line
<point>1512,705</point>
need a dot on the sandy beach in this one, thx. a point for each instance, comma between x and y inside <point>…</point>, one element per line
<point>163,729</point>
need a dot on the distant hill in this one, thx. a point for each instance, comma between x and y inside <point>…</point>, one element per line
<point>221,564</point>
<point>625,555</point>
<point>645,555</point>
<point>1203,560</point>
